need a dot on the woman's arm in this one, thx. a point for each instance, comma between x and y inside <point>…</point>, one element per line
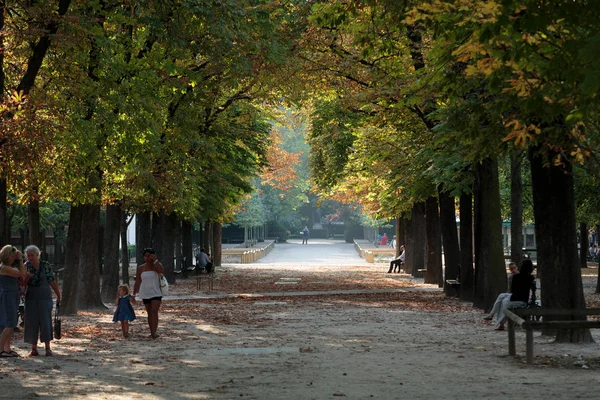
<point>54,287</point>
<point>15,273</point>
<point>158,267</point>
<point>138,281</point>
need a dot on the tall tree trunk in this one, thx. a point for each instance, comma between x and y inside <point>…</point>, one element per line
<point>217,236</point>
<point>584,245</point>
<point>158,234</point>
<point>466,247</point>
<point>400,238</point>
<point>143,235</point>
<point>124,224</point>
<point>178,255</point>
<point>516,208</point>
<point>88,293</point>
<point>33,220</point>
<point>555,229</point>
<point>449,236</point>
<point>167,255</point>
<point>4,231</point>
<point>598,243</point>
<point>110,272</point>
<point>71,274</point>
<point>419,239</point>
<point>433,243</point>
<point>206,237</point>
<point>187,247</point>
<point>489,252</point>
<point>408,245</point>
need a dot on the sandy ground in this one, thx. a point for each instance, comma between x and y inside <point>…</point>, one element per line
<point>405,340</point>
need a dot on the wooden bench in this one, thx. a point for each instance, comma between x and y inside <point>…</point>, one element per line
<point>455,285</point>
<point>514,316</point>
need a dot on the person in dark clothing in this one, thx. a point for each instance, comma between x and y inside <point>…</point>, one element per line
<point>522,284</point>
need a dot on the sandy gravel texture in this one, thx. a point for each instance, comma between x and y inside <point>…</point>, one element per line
<point>408,342</point>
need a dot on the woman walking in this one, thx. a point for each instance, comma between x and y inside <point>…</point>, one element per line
<point>38,301</point>
<point>9,296</point>
<point>147,284</point>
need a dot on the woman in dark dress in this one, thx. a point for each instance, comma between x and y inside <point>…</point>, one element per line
<point>9,296</point>
<point>38,301</point>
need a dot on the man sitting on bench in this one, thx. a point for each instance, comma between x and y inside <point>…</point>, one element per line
<point>398,261</point>
<point>201,261</point>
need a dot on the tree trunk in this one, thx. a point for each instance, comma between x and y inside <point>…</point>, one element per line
<point>167,254</point>
<point>178,251</point>
<point>400,238</point>
<point>158,234</point>
<point>466,248</point>
<point>408,245</point>
<point>516,208</point>
<point>4,231</point>
<point>88,293</point>
<point>217,235</point>
<point>33,220</point>
<point>206,237</point>
<point>449,237</point>
<point>124,248</point>
<point>419,239</point>
<point>584,245</point>
<point>433,243</point>
<point>555,229</point>
<point>187,247</point>
<point>110,272</point>
<point>489,253</point>
<point>71,274</point>
<point>143,235</point>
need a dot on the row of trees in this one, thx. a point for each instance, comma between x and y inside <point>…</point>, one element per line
<point>419,101</point>
<point>154,108</point>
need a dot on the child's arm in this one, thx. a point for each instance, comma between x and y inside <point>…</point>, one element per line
<point>132,299</point>
<point>117,300</point>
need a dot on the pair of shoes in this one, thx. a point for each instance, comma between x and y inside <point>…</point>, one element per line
<point>49,353</point>
<point>126,335</point>
<point>9,354</point>
<point>389,272</point>
<point>488,318</point>
<point>154,335</point>
<point>500,328</point>
<point>34,353</point>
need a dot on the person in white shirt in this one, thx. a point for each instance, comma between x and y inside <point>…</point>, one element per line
<point>397,262</point>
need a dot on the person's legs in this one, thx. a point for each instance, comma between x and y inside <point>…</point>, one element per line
<point>149,312</point>
<point>5,338</point>
<point>391,267</point>
<point>497,306</point>
<point>155,306</point>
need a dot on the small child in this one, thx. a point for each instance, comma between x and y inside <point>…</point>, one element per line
<point>124,311</point>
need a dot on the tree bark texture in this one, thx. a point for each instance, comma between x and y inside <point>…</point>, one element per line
<point>143,235</point>
<point>124,224</point>
<point>207,237</point>
<point>71,274</point>
<point>433,243</point>
<point>33,221</point>
<point>466,247</point>
<point>88,290</point>
<point>449,237</point>
<point>516,208</point>
<point>110,251</point>
<point>158,234</point>
<point>167,255</point>
<point>4,231</point>
<point>187,247</point>
<point>408,246</point>
<point>584,245</point>
<point>555,229</point>
<point>489,252</point>
<point>400,237</point>
<point>217,235</point>
<point>418,239</point>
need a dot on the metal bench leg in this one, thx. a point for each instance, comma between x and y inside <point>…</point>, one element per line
<point>529,340</point>
<point>511,338</point>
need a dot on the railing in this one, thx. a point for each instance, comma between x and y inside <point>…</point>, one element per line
<point>250,255</point>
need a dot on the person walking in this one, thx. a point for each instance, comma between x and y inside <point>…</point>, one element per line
<point>147,285</point>
<point>305,235</point>
<point>9,296</point>
<point>40,282</point>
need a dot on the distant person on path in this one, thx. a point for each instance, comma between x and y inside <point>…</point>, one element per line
<point>513,271</point>
<point>40,283</point>
<point>202,260</point>
<point>384,239</point>
<point>147,284</point>
<point>124,312</point>
<point>9,296</point>
<point>305,235</point>
<point>398,261</point>
<point>522,284</point>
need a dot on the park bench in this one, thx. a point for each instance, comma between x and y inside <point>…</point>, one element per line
<point>454,284</point>
<point>514,316</point>
<point>206,275</point>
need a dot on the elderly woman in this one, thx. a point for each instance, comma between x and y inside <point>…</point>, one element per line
<point>38,301</point>
<point>9,296</point>
<point>147,285</point>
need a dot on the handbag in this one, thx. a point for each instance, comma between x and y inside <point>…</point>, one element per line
<point>164,285</point>
<point>57,323</point>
